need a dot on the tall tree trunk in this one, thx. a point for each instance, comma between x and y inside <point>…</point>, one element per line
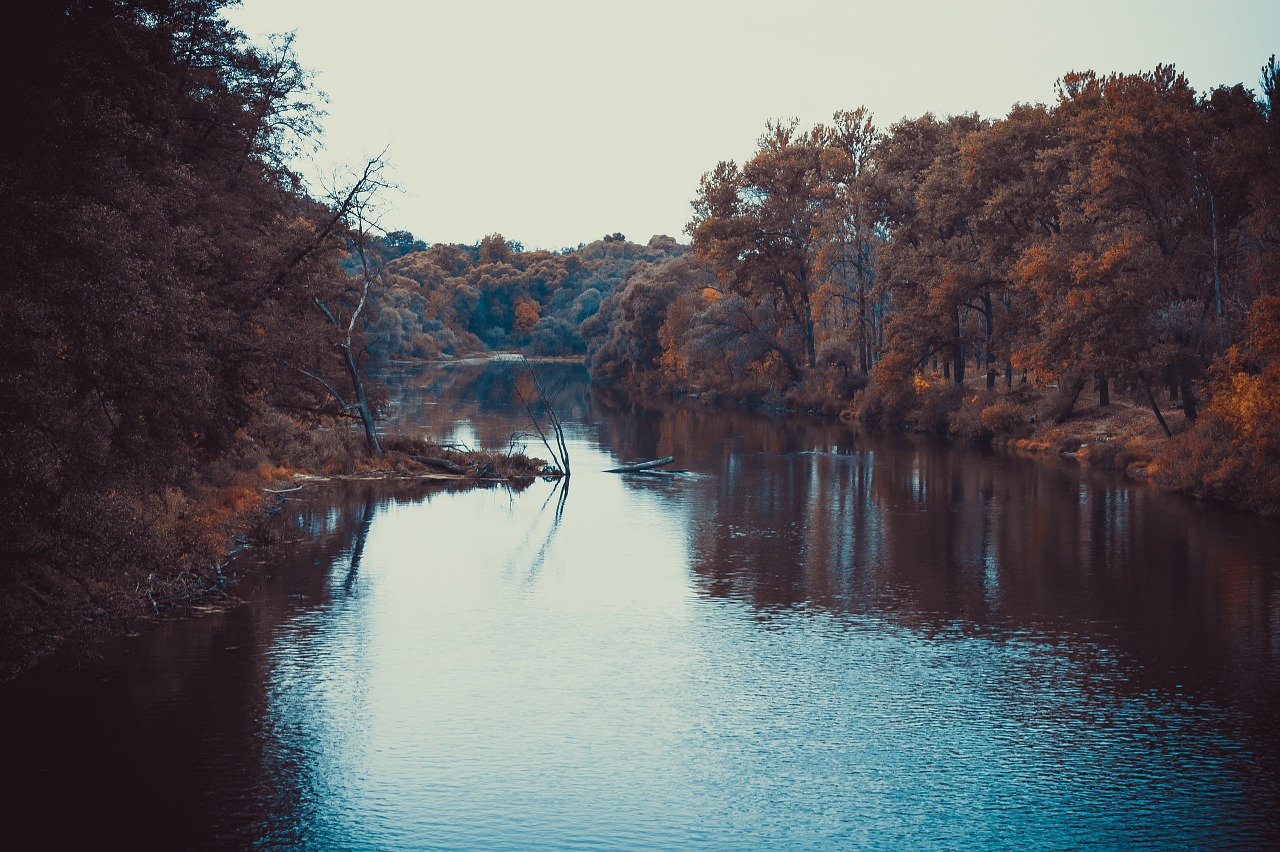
<point>989,323</point>
<point>1104,390</point>
<point>877,315</point>
<point>804,320</point>
<point>864,349</point>
<point>810,345</point>
<point>1217,278</point>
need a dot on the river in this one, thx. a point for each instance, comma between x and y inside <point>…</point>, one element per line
<point>815,638</point>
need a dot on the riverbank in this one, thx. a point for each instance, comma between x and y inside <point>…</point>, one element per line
<point>45,607</point>
<point>1121,436</point>
<point>1216,457</point>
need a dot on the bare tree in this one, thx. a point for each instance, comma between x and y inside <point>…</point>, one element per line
<point>353,209</point>
<point>545,400</point>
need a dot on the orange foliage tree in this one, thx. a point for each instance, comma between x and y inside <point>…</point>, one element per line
<point>1233,453</point>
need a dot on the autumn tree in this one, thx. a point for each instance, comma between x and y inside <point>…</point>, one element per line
<point>755,226</point>
<point>1011,189</point>
<point>1233,452</point>
<point>929,265</point>
<point>1131,285</point>
<point>625,342</point>
<point>847,235</point>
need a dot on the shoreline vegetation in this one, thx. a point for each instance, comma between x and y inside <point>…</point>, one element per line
<point>56,606</point>
<point>189,327</point>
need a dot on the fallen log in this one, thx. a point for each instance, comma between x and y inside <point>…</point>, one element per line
<point>636,467</point>
<point>442,463</point>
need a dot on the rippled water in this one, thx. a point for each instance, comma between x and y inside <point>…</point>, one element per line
<point>814,639</point>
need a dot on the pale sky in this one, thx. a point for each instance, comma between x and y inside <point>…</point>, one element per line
<point>557,122</point>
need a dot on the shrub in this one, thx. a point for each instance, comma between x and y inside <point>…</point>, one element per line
<point>555,336</point>
<point>1210,462</point>
<point>1005,418</point>
<point>965,422</point>
<point>938,402</point>
<point>825,389</point>
<point>891,395</point>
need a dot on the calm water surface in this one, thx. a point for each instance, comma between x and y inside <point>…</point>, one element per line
<point>815,639</point>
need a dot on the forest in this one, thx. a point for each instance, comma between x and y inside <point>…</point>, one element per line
<point>449,300</point>
<point>186,320</point>
<point>178,310</point>
<point>976,277</point>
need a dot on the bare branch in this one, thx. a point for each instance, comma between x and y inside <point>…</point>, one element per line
<point>330,388</point>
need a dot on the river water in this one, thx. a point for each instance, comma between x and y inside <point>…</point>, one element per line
<point>814,639</point>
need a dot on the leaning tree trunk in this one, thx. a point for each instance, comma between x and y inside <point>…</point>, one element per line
<point>1151,398</point>
<point>1070,386</point>
<point>362,402</point>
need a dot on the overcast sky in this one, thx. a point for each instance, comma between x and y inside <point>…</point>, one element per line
<point>557,122</point>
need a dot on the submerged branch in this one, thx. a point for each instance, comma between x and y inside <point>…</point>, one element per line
<point>636,467</point>
<point>560,458</point>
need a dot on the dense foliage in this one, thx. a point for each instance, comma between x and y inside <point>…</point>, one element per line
<point>450,300</point>
<point>943,271</point>
<point>162,294</point>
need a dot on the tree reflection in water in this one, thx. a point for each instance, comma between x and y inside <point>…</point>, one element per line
<point>829,627</point>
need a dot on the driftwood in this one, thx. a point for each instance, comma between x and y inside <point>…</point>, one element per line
<point>636,467</point>
<point>442,463</point>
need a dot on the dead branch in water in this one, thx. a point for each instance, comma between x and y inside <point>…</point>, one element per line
<point>559,459</point>
<point>636,467</point>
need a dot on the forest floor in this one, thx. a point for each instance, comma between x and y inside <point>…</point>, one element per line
<point>1121,436</point>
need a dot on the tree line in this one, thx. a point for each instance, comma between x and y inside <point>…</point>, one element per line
<point>947,272</point>
<point>449,300</point>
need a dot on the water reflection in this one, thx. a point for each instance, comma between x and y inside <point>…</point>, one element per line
<point>803,512</point>
<point>814,639</point>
